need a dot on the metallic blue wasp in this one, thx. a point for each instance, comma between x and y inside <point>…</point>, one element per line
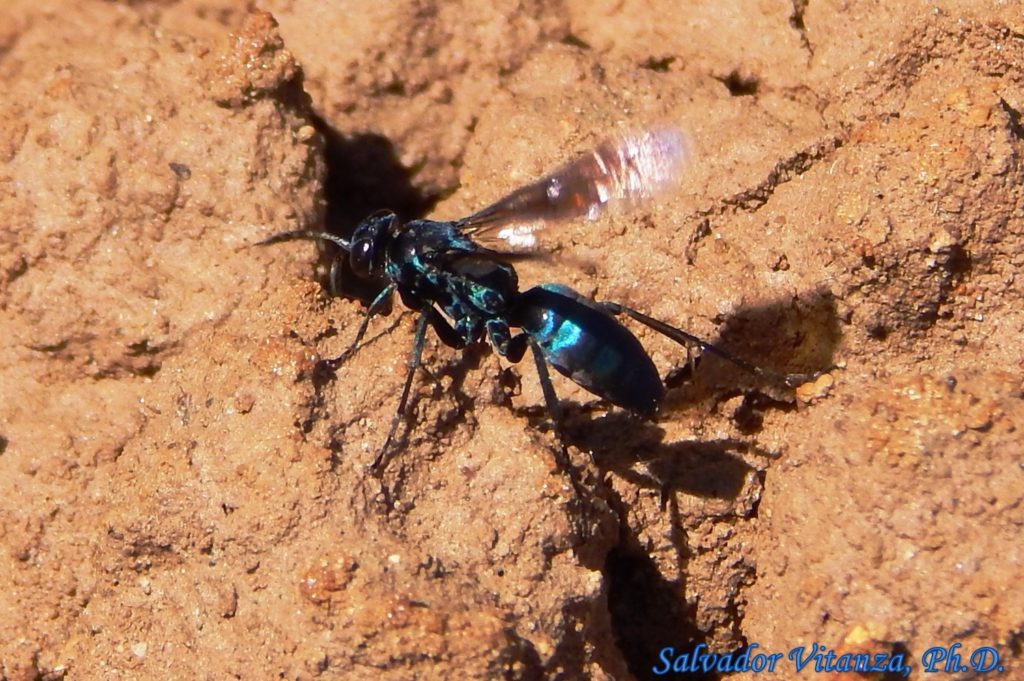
<point>458,276</point>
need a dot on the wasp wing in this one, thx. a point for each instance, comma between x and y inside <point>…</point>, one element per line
<point>626,169</point>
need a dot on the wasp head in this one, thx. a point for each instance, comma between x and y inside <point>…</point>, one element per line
<point>368,247</point>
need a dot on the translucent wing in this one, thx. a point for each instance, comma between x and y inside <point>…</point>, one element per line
<point>626,169</point>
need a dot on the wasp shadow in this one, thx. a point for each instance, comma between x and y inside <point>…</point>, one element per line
<point>796,339</point>
<point>447,421</point>
<point>647,610</point>
<point>635,450</point>
<point>786,343</point>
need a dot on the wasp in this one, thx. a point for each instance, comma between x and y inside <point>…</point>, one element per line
<point>459,278</point>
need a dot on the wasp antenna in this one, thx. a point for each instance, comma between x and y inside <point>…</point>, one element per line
<point>307,235</point>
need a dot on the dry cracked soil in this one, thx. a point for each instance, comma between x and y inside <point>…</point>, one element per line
<point>184,489</point>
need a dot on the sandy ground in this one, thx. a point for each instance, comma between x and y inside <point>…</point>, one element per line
<point>183,494</point>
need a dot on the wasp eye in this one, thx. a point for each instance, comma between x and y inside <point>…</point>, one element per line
<point>367,254</point>
<point>362,257</point>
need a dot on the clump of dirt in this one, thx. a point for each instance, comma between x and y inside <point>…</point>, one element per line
<point>185,489</point>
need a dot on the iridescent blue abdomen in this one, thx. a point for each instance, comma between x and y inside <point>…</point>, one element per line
<point>585,343</point>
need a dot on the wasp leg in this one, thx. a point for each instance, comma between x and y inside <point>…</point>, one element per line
<point>554,410</point>
<point>688,340</point>
<point>372,311</point>
<point>546,387</point>
<point>456,336</point>
<point>449,336</point>
<point>504,343</point>
<point>513,348</point>
<point>414,363</point>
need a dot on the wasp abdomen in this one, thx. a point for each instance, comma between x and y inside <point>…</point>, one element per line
<point>586,344</point>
